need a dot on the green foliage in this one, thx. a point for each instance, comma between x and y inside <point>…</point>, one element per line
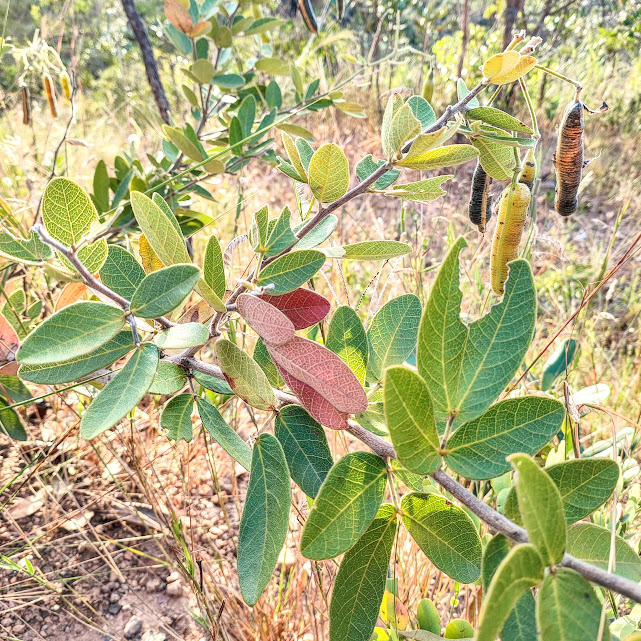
<point>121,272</point>
<point>292,270</point>
<point>176,417</point>
<point>347,338</point>
<point>162,291</point>
<point>329,173</point>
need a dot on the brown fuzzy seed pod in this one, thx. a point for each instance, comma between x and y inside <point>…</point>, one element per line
<point>507,235</point>
<point>480,206</point>
<point>51,96</point>
<point>26,105</point>
<point>65,82</point>
<point>309,17</point>
<point>528,173</point>
<point>568,159</point>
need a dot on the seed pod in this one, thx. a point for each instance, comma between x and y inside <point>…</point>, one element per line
<point>528,173</point>
<point>428,85</point>
<point>26,105</point>
<point>507,235</point>
<point>51,96</point>
<point>65,81</point>
<point>480,207</point>
<point>568,159</point>
<point>309,17</point>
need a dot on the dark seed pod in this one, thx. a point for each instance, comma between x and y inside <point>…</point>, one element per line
<point>528,173</point>
<point>26,105</point>
<point>309,17</point>
<point>480,207</point>
<point>568,159</point>
<point>51,96</point>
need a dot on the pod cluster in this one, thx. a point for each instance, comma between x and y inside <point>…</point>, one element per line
<point>50,92</point>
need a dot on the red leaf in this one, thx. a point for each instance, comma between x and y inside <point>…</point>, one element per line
<point>267,321</point>
<point>318,367</point>
<point>9,341</point>
<point>302,306</point>
<point>318,408</point>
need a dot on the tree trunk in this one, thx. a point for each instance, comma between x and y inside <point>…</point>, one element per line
<point>512,9</point>
<point>148,59</point>
<point>465,29</point>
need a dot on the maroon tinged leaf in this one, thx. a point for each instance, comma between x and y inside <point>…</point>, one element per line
<point>302,306</point>
<point>318,367</point>
<point>317,407</point>
<point>9,343</point>
<point>267,321</point>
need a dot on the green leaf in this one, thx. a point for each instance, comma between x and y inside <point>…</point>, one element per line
<point>445,533</point>
<point>67,211</point>
<point>273,66</point>
<point>584,484</point>
<point>281,236</point>
<point>182,336</point>
<point>366,167</point>
<point>259,228</point>
<point>567,609</point>
<point>223,434</point>
<point>123,392</point>
<point>245,376</point>
<point>80,366</point>
<point>73,331</point>
<point>166,241</point>
<point>410,420</point>
<point>521,570</point>
<point>591,543</point>
<point>162,291</point>
<point>462,91</point>
<point>30,251</point>
<point>441,157</point>
<point>121,272</point>
<point>305,151</point>
<point>218,385</point>
<point>424,143</point>
<point>318,234</point>
<point>347,339</point>
<point>376,250</point>
<point>421,191</point>
<point>392,334</point>
<point>403,126</point>
<point>101,186</point>
<point>422,110</point>
<point>328,173</point>
<point>262,357</point>
<point>169,379</point>
<point>498,118</point>
<point>305,446</point>
<point>213,267</point>
<point>346,504</point>
<point>166,209</point>
<point>228,81</point>
<point>496,158</point>
<point>176,417</point>
<point>236,136</point>
<point>541,508</point>
<point>291,270</point>
<point>294,155</point>
<point>478,449</point>
<point>203,71</point>
<point>265,519</point>
<point>360,582</point>
<point>91,256</point>
<point>296,130</point>
<point>183,142</point>
<point>10,422</point>
<point>247,114</point>
<point>558,363</point>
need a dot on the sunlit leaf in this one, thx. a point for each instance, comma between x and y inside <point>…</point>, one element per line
<point>291,270</point>
<point>162,291</point>
<point>176,417</point>
<point>328,173</point>
<point>498,118</point>
<point>376,250</point>
<point>448,156</point>
<point>121,272</point>
<point>347,338</point>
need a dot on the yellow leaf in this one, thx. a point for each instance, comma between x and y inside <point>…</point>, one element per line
<point>200,29</point>
<point>526,63</point>
<point>500,64</point>
<point>393,612</point>
<point>178,16</point>
<point>150,260</point>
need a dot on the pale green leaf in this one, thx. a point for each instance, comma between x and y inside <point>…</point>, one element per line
<point>541,508</point>
<point>328,173</point>
<point>478,449</point>
<point>123,392</point>
<point>223,434</point>
<point>496,158</point>
<point>462,91</point>
<point>169,378</point>
<point>441,157</point>
<point>162,291</point>
<point>218,385</point>
<point>166,209</point>
<point>73,331</point>
<point>182,336</point>
<point>421,191</point>
<point>305,446</point>
<point>67,211</point>
<point>445,533</point>
<point>258,229</point>
<point>10,422</point>
<point>121,272</point>
<point>213,267</point>
<point>176,417</point>
<point>366,167</point>
<point>422,110</point>
<point>30,251</point>
<point>281,236</point>
<point>360,582</point>
<point>376,250</point>
<point>76,368</point>
<point>291,270</point>
<point>265,519</point>
<point>347,338</point>
<point>410,420</point>
<point>318,234</point>
<point>293,155</point>
<point>262,357</point>
<point>403,126</point>
<point>392,334</point>
<point>498,118</point>
<point>425,143</point>
<point>245,376</point>
<point>346,504</point>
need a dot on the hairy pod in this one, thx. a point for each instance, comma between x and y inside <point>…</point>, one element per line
<point>51,96</point>
<point>309,17</point>
<point>568,159</point>
<point>528,173</point>
<point>507,235</point>
<point>26,105</point>
<point>480,206</point>
<point>65,81</point>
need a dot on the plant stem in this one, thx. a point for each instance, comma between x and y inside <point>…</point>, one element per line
<point>558,75</point>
